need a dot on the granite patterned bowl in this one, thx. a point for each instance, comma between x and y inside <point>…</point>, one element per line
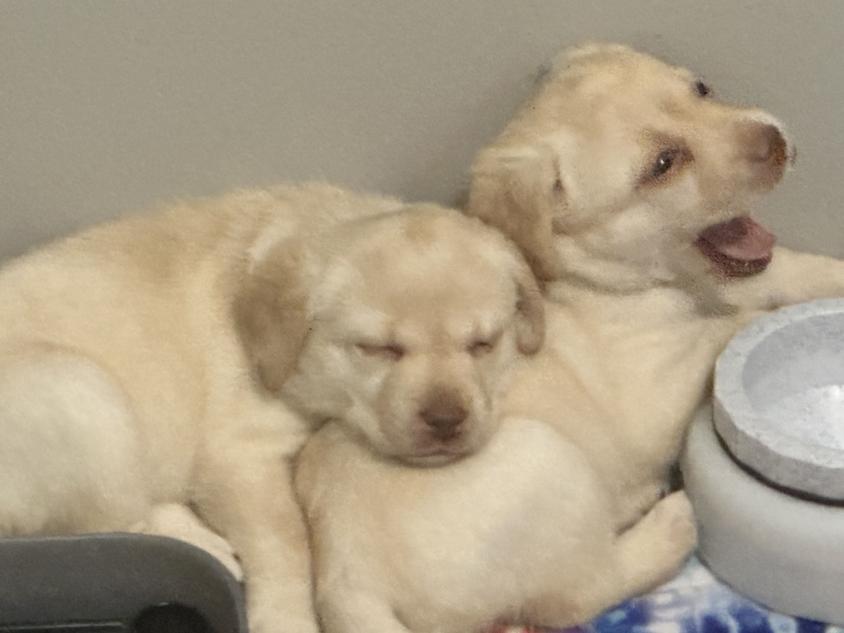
<point>776,548</point>
<point>779,398</point>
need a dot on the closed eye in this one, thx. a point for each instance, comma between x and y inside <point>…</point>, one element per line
<point>388,351</point>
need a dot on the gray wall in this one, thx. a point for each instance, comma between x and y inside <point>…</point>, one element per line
<point>108,107</point>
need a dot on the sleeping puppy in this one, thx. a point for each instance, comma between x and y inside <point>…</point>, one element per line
<point>414,316</point>
<point>628,187</point>
<point>138,364</point>
<point>412,339</point>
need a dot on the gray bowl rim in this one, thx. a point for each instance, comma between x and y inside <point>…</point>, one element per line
<point>784,459</point>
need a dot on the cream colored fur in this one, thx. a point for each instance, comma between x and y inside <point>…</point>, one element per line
<point>128,382</point>
<point>414,319</point>
<point>636,313</point>
<point>521,529</point>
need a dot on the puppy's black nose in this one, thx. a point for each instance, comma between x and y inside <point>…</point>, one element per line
<point>443,414</point>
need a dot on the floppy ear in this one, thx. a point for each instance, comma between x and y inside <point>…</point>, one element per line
<point>517,190</point>
<point>270,315</point>
<point>530,307</point>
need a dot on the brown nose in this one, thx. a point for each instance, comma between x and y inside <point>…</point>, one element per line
<point>766,144</point>
<point>443,413</point>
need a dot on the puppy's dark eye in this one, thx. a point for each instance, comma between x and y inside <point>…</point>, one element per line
<point>664,163</point>
<point>702,89</point>
<point>391,352</point>
<point>481,347</point>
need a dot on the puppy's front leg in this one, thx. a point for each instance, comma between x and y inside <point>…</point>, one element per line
<point>791,277</point>
<point>177,521</point>
<point>244,489</point>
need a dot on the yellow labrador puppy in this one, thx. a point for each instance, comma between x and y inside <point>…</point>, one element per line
<point>413,321</point>
<point>413,332</point>
<point>139,360</point>
<point>628,186</point>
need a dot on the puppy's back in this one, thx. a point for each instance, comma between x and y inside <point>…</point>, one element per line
<point>168,256</point>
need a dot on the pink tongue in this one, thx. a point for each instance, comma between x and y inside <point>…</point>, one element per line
<point>740,238</point>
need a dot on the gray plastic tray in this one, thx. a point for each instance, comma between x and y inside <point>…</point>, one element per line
<point>115,582</point>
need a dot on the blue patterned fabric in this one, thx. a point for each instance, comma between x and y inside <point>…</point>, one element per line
<point>696,602</point>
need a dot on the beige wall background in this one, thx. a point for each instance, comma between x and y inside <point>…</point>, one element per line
<point>109,107</point>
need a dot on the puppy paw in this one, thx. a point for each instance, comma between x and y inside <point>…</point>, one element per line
<point>633,506</point>
<point>218,547</point>
<point>654,549</point>
<point>179,522</point>
<point>674,518</point>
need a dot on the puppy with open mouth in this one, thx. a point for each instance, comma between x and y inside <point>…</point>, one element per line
<point>629,186</point>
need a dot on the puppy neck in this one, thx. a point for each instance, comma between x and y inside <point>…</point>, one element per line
<point>603,275</point>
<point>622,293</point>
<point>584,273</point>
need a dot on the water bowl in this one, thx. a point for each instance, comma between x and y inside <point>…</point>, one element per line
<point>779,398</point>
<point>764,465</point>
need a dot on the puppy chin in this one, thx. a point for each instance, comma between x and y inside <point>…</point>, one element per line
<point>420,451</point>
<point>433,459</point>
<point>429,452</point>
